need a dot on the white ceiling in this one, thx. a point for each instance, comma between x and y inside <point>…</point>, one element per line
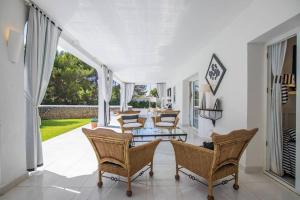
<point>142,40</point>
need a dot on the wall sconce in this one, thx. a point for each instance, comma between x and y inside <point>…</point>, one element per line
<point>14,45</point>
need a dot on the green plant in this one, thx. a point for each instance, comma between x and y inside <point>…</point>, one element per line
<point>94,120</point>
<point>154,92</point>
<point>153,104</point>
<point>142,104</point>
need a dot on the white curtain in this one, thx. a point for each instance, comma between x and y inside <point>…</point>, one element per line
<point>161,91</point>
<point>127,90</point>
<point>276,54</point>
<point>106,83</point>
<point>41,44</point>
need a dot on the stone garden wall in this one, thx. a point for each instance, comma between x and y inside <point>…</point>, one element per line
<point>71,111</point>
<point>68,111</point>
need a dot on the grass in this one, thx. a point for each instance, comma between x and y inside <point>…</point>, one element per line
<point>54,127</point>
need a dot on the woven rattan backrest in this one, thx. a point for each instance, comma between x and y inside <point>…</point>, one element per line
<point>229,148</point>
<point>109,146</point>
<point>167,111</point>
<point>128,112</point>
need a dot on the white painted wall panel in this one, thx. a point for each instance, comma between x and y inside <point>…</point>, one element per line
<point>12,107</point>
<point>231,48</point>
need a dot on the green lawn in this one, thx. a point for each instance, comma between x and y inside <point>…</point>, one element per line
<point>54,127</point>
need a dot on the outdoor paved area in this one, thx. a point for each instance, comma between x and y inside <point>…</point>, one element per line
<point>70,173</point>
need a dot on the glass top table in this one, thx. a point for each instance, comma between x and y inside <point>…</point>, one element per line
<point>150,134</point>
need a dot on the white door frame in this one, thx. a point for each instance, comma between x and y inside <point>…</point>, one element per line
<point>297,183</point>
<point>290,34</point>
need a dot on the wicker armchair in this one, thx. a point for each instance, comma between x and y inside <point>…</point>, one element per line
<point>214,164</point>
<point>129,125</point>
<point>167,120</point>
<point>115,156</point>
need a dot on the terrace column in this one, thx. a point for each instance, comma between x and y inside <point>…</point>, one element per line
<point>101,113</point>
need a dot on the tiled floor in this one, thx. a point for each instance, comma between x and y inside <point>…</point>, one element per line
<point>70,173</point>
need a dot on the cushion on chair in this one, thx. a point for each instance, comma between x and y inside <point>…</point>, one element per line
<point>132,125</point>
<point>292,133</point>
<point>168,117</point>
<point>165,124</point>
<point>130,118</point>
<point>208,145</point>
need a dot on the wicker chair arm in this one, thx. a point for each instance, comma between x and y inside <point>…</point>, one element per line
<point>120,120</point>
<point>155,119</point>
<point>194,158</point>
<point>176,122</point>
<point>141,120</point>
<point>141,155</point>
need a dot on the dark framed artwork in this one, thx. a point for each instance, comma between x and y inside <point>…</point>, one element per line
<point>169,92</point>
<point>215,73</point>
<point>174,94</point>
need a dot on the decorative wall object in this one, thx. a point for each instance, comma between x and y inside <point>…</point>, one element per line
<point>215,73</point>
<point>213,114</point>
<point>169,92</point>
<point>174,94</point>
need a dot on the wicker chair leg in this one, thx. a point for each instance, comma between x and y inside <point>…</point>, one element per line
<point>151,169</point>
<point>177,177</point>
<point>236,181</point>
<point>210,191</point>
<point>100,183</point>
<point>129,192</point>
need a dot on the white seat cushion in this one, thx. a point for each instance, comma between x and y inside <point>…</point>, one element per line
<point>165,124</point>
<point>127,121</point>
<point>167,119</point>
<point>132,125</point>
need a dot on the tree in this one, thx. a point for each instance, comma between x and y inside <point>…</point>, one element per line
<point>153,92</point>
<point>72,82</point>
<point>115,95</point>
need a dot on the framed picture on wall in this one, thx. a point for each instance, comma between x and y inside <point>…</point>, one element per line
<point>215,73</point>
<point>169,92</point>
<point>174,94</point>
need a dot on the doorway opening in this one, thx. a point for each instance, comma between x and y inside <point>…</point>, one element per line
<point>282,96</point>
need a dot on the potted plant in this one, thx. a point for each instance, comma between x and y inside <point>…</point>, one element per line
<point>94,122</point>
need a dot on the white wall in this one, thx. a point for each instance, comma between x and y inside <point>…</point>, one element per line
<point>12,108</point>
<point>231,46</point>
<point>256,108</point>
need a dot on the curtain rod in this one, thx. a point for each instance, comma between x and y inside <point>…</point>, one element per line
<point>30,3</point>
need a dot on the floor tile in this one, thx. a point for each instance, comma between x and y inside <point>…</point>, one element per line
<point>70,173</point>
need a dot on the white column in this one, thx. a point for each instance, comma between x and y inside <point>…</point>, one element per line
<point>101,121</point>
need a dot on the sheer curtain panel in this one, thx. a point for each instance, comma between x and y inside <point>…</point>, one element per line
<point>41,44</point>
<point>276,55</point>
<point>127,90</point>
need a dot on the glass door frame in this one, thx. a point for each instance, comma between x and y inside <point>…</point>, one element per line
<point>194,103</point>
